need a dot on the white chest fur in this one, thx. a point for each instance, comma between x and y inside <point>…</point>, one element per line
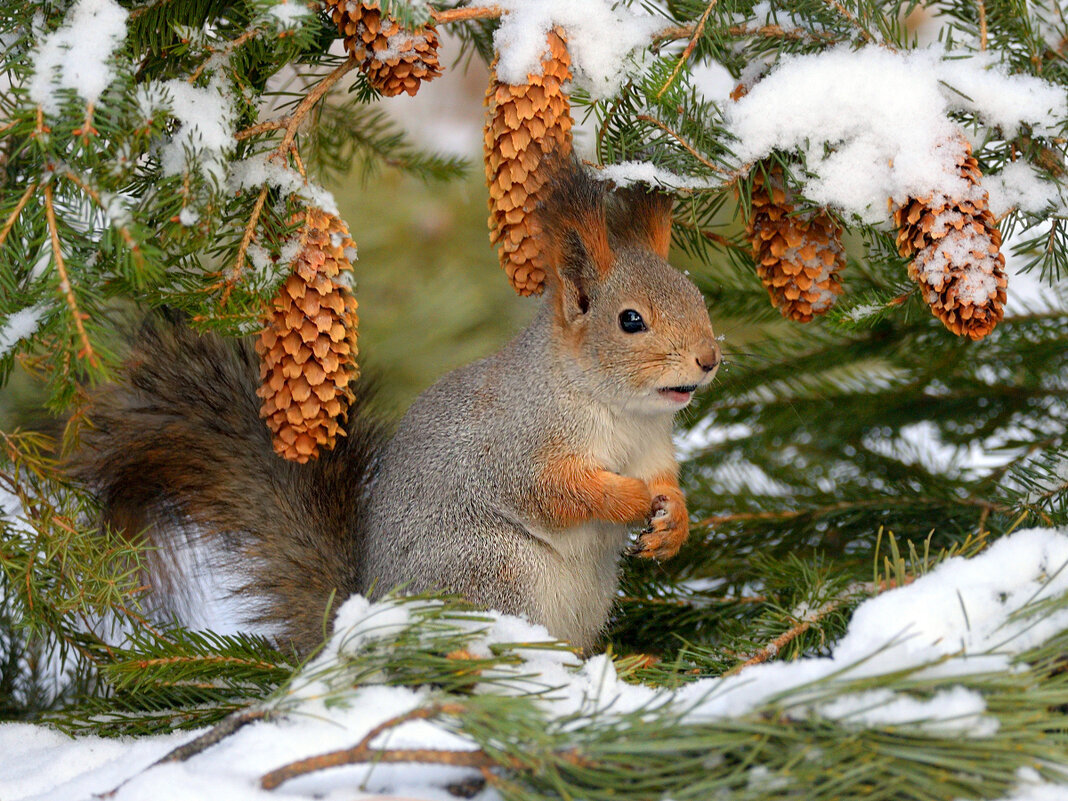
<point>576,589</point>
<point>636,445</point>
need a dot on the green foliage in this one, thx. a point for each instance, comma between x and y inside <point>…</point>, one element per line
<point>811,476</point>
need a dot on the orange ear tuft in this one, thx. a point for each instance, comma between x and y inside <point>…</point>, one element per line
<point>642,217</point>
<point>574,211</point>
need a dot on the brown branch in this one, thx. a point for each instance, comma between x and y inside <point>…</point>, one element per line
<point>291,123</point>
<point>310,100</point>
<point>698,30</point>
<point>18,210</point>
<point>982,24</point>
<point>790,514</point>
<point>216,734</point>
<point>262,127</point>
<point>64,281</point>
<point>851,593</point>
<point>465,14</point>
<point>711,236</point>
<point>242,250</point>
<point>362,751</point>
<point>678,138</point>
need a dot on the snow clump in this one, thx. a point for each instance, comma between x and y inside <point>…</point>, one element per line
<point>76,55</point>
<point>870,123</point>
<point>601,39</point>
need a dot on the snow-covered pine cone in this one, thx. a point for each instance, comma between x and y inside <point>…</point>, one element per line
<point>308,345</point>
<point>798,254</point>
<point>955,248</point>
<point>525,124</point>
<point>394,60</point>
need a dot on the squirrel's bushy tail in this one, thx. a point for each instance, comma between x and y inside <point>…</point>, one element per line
<point>178,450</point>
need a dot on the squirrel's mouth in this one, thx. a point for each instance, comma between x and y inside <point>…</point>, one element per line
<point>680,394</point>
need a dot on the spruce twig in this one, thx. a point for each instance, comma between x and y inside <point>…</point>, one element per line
<point>65,286</point>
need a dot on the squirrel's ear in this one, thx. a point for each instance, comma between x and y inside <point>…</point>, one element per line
<point>574,229</point>
<point>641,216</point>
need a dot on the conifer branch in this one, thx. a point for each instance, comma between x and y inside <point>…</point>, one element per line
<point>10,222</point>
<point>94,195</point>
<point>64,281</point>
<point>686,145</point>
<point>699,28</point>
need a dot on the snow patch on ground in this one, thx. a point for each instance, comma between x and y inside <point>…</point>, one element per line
<point>76,55</point>
<point>979,628</point>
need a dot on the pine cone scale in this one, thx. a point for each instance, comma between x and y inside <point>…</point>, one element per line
<point>308,345</point>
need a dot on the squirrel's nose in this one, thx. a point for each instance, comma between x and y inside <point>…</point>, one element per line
<point>708,356</point>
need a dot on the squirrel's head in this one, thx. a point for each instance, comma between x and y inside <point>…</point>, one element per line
<point>636,327</point>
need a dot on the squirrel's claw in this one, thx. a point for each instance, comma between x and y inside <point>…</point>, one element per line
<point>667,528</point>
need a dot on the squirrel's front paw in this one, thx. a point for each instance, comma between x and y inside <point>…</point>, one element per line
<point>667,528</point>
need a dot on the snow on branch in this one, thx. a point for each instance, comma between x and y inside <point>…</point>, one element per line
<point>870,123</point>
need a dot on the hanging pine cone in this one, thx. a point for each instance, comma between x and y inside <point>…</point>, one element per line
<point>308,346</point>
<point>955,249</point>
<point>526,123</point>
<point>394,60</point>
<point>798,255</point>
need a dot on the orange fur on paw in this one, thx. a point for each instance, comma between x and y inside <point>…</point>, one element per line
<point>669,523</point>
<point>573,492</point>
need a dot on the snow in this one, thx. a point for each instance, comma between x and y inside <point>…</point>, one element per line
<point>600,39</point>
<point>982,622</point>
<point>76,55</point>
<point>289,14</point>
<point>258,170</point>
<point>884,115</point>
<point>206,136</point>
<point>626,173</point>
<point>18,326</point>
<point>1018,185</point>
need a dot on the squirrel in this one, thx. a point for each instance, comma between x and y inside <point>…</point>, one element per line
<point>511,482</point>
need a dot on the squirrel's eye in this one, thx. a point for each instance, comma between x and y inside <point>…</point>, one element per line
<point>631,322</point>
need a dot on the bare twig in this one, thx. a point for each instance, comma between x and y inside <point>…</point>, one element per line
<point>362,751</point>
<point>64,282</point>
<point>465,14</point>
<point>982,24</point>
<point>698,30</point>
<point>9,224</point>
<point>310,100</point>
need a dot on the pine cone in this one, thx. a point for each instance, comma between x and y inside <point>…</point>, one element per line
<point>526,123</point>
<point>955,248</point>
<point>308,347</point>
<point>394,60</point>
<point>798,255</point>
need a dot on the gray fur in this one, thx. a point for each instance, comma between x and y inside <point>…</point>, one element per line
<point>453,501</point>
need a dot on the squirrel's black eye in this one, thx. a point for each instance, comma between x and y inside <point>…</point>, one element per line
<point>631,322</point>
